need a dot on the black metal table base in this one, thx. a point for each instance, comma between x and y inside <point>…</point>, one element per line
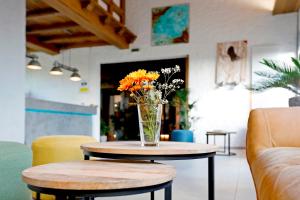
<point>209,155</point>
<point>229,153</point>
<point>61,194</point>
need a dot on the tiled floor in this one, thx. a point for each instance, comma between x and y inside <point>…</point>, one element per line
<point>232,176</point>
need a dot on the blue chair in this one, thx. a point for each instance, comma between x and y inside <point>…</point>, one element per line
<point>14,158</point>
<point>182,136</point>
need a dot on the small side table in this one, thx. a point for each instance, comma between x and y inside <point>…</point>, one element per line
<point>132,150</point>
<point>103,178</point>
<point>222,133</point>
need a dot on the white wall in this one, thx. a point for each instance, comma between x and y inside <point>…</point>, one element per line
<point>12,65</point>
<point>211,21</point>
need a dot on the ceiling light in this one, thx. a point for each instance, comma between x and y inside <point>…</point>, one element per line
<point>56,71</point>
<point>34,64</point>
<point>75,76</point>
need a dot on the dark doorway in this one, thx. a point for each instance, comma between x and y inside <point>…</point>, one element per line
<point>115,108</point>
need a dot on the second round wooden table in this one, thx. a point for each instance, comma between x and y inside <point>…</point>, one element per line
<point>132,150</point>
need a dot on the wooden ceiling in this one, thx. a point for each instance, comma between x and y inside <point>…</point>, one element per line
<point>54,25</point>
<point>286,6</point>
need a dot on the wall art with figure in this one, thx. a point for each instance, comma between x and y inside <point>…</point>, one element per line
<point>231,67</point>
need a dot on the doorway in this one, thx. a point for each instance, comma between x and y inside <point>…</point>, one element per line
<point>116,110</point>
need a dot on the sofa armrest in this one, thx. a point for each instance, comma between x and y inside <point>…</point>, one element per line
<point>258,134</point>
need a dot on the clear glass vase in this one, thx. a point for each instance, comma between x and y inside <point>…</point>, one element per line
<point>149,123</point>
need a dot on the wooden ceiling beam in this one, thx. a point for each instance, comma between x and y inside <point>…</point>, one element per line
<point>41,14</point>
<point>88,20</point>
<point>114,7</point>
<point>84,44</point>
<point>42,29</point>
<point>34,44</point>
<point>71,39</point>
<point>286,6</point>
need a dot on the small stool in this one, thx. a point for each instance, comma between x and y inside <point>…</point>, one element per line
<point>105,178</point>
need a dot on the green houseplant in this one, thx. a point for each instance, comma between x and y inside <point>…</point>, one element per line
<point>104,130</point>
<point>282,76</point>
<point>180,101</point>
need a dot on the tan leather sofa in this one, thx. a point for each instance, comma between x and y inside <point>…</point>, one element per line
<point>273,152</point>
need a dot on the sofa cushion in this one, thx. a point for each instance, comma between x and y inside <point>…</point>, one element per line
<point>277,173</point>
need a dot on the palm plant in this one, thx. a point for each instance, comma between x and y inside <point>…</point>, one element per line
<point>284,76</point>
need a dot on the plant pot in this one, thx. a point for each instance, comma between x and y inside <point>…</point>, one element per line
<point>103,138</point>
<point>294,101</point>
<point>149,123</point>
<point>182,136</point>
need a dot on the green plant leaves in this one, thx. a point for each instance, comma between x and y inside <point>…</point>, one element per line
<point>282,76</point>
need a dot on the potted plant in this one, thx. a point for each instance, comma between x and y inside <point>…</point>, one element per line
<point>283,76</point>
<point>180,100</point>
<point>104,131</point>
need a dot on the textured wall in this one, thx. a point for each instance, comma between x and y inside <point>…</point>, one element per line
<point>12,66</point>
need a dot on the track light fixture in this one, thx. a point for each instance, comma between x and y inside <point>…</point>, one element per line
<point>33,63</point>
<point>57,70</point>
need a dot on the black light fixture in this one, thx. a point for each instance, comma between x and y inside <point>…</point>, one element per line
<point>33,63</point>
<point>75,76</point>
<point>57,70</point>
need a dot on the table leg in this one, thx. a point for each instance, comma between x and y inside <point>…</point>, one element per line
<point>229,144</point>
<point>60,197</point>
<point>152,194</point>
<point>224,144</point>
<point>207,139</point>
<point>214,140</point>
<point>168,193</point>
<point>211,178</point>
<point>38,196</point>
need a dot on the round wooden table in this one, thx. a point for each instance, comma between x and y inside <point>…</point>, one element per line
<point>68,180</point>
<point>133,150</point>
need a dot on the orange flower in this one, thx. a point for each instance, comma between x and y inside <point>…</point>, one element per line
<point>135,88</point>
<point>152,76</point>
<point>134,81</point>
<point>125,84</point>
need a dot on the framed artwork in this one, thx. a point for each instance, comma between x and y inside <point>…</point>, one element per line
<point>170,25</point>
<point>231,67</point>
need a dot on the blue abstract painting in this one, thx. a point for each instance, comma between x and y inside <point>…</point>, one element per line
<point>170,25</point>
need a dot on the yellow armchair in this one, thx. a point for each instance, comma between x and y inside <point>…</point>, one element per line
<point>58,148</point>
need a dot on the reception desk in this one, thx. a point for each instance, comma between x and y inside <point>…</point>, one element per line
<point>54,118</point>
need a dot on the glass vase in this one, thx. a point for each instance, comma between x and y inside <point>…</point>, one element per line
<point>149,123</point>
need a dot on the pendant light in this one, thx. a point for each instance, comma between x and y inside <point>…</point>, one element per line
<point>56,69</point>
<point>33,63</point>
<point>75,76</point>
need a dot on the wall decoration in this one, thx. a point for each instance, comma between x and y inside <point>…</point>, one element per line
<point>84,87</point>
<point>231,63</point>
<point>170,25</point>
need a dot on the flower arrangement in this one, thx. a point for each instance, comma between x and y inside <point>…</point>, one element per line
<point>144,88</point>
<point>149,95</point>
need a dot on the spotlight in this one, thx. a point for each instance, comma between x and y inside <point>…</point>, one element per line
<point>75,76</point>
<point>56,71</point>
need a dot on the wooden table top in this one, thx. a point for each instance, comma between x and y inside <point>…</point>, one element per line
<point>220,132</point>
<point>135,148</point>
<point>98,175</point>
